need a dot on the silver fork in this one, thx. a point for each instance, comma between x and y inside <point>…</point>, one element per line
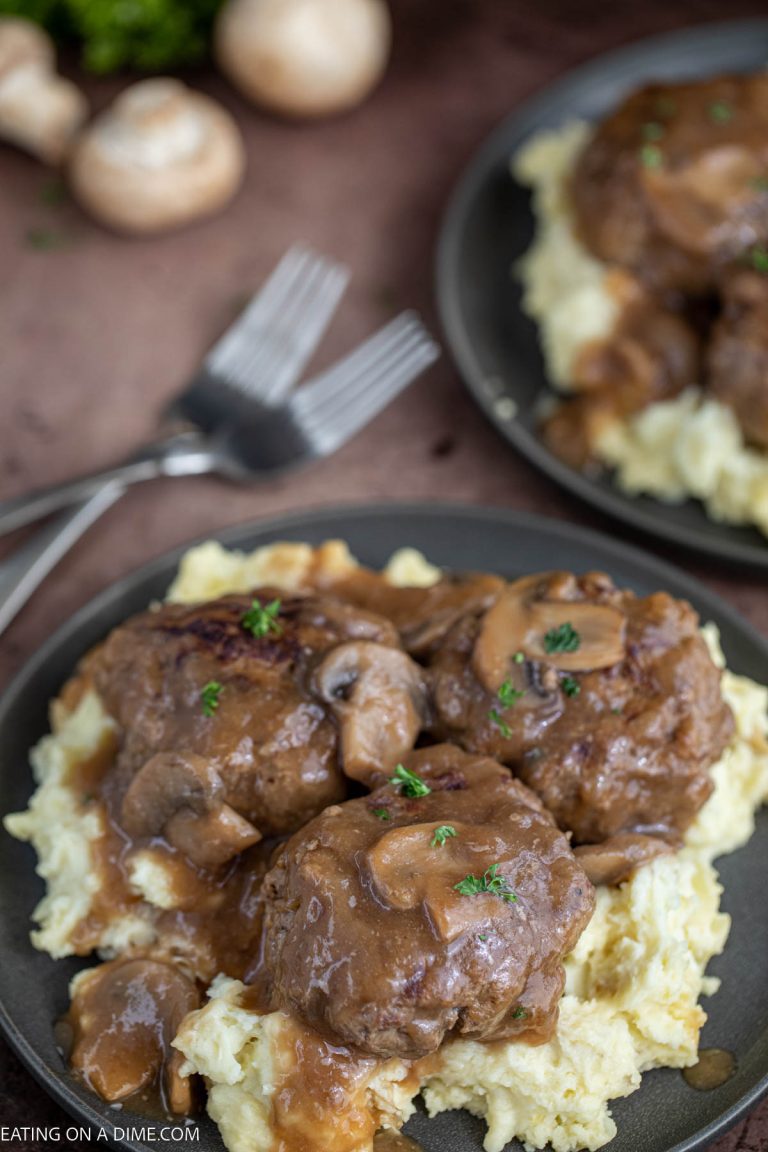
<point>252,366</point>
<point>264,352</point>
<point>256,440</point>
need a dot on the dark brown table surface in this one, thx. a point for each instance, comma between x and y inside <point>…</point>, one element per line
<point>97,333</point>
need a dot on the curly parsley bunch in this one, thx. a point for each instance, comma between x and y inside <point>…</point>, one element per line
<point>151,35</point>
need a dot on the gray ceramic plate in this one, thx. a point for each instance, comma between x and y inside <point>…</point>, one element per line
<point>665,1114</point>
<point>489,225</point>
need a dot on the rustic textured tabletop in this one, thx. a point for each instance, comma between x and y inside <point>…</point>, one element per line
<point>98,332</point>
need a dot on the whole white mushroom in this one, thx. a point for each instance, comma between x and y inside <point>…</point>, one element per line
<point>39,110</point>
<point>159,157</point>
<point>304,58</point>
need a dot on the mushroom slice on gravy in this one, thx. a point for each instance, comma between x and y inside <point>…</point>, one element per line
<point>614,861</point>
<point>123,1017</point>
<point>180,796</point>
<point>378,696</point>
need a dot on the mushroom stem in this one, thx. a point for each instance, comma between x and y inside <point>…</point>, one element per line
<point>39,110</point>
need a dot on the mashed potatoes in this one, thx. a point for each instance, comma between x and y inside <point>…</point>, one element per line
<point>633,981</point>
<point>689,446</point>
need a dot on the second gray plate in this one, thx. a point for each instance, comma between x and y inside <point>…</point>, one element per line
<point>489,225</point>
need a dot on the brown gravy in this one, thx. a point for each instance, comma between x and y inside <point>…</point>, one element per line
<point>321,1099</point>
<point>714,1067</point>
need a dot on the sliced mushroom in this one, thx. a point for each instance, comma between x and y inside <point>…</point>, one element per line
<point>212,838</point>
<point>159,157</point>
<point>614,861</point>
<point>39,110</point>
<point>124,1015</point>
<point>378,696</point>
<point>406,870</point>
<point>180,796</point>
<point>519,622</point>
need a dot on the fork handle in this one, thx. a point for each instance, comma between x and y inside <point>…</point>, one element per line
<point>185,455</point>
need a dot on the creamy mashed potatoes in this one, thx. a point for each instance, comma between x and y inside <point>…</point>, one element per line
<point>691,446</point>
<point>250,1065</point>
<point>633,981</point>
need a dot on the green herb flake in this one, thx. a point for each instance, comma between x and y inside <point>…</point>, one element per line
<point>441,834</point>
<point>519,658</point>
<point>570,686</point>
<point>564,638</point>
<point>652,131</point>
<point>758,258</point>
<point>381,813</point>
<point>720,112</point>
<point>261,620</point>
<point>759,184</point>
<point>409,783</point>
<point>497,719</point>
<point>45,239</point>
<point>209,697</point>
<point>508,696</point>
<point>490,881</point>
<point>651,156</point>
<point>54,192</point>
<point>519,1013</point>
<point>617,711</point>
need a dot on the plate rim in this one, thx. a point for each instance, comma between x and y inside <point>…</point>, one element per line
<point>648,565</point>
<point>611,502</point>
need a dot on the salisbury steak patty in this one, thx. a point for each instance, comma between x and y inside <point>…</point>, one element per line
<point>672,184</point>
<point>395,919</point>
<point>738,354</point>
<point>235,714</point>
<point>606,704</point>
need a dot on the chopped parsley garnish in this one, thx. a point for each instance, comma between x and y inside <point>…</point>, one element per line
<point>409,783</point>
<point>54,192</point>
<point>209,697</point>
<point>45,239</point>
<point>571,687</point>
<point>652,131</point>
<point>490,881</point>
<point>500,722</point>
<point>758,258</point>
<point>651,156</point>
<point>760,183</point>
<point>564,638</point>
<point>441,834</point>
<point>261,620</point>
<point>381,813</point>
<point>720,112</point>
<point>508,696</point>
<point>519,657</point>
<point>616,711</point>
<point>519,1013</point>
